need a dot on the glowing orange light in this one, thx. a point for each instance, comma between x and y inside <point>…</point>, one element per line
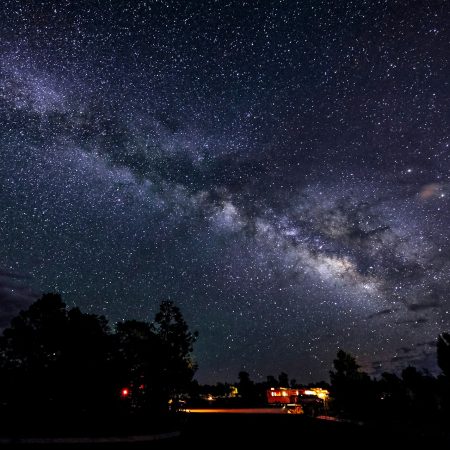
<point>125,392</point>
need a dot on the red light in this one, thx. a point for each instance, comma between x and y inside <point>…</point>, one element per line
<point>125,392</point>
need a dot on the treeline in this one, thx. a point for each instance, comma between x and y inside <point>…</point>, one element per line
<point>412,396</point>
<point>60,362</point>
<point>56,361</point>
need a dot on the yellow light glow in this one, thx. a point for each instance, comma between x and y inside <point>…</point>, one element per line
<point>318,392</point>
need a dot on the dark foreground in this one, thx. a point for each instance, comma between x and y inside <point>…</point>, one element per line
<point>254,431</point>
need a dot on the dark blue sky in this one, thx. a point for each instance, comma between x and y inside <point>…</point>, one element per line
<point>279,169</point>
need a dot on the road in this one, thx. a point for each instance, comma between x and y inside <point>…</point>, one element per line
<point>218,429</point>
<point>278,431</point>
<point>209,429</point>
<point>237,411</point>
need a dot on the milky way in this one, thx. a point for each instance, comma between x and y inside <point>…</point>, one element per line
<point>279,169</point>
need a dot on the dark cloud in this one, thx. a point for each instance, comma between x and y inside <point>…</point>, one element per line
<point>427,344</point>
<point>425,361</point>
<point>383,312</point>
<point>11,275</point>
<point>406,349</point>
<point>417,307</point>
<point>396,359</point>
<point>414,322</point>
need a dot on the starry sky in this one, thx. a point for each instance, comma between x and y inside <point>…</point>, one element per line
<point>279,169</point>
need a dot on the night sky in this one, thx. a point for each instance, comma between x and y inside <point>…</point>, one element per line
<point>278,169</point>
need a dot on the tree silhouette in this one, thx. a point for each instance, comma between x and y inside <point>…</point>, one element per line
<point>392,394</point>
<point>283,379</point>
<point>346,367</point>
<point>421,391</point>
<point>54,361</point>
<point>173,331</point>
<point>177,345</point>
<point>246,389</point>
<point>443,353</point>
<point>272,381</point>
<point>86,362</point>
<point>137,362</point>
<point>30,350</point>
<point>351,389</point>
<point>443,359</point>
<point>51,356</point>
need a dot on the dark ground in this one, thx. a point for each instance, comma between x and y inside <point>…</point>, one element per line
<point>278,431</point>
